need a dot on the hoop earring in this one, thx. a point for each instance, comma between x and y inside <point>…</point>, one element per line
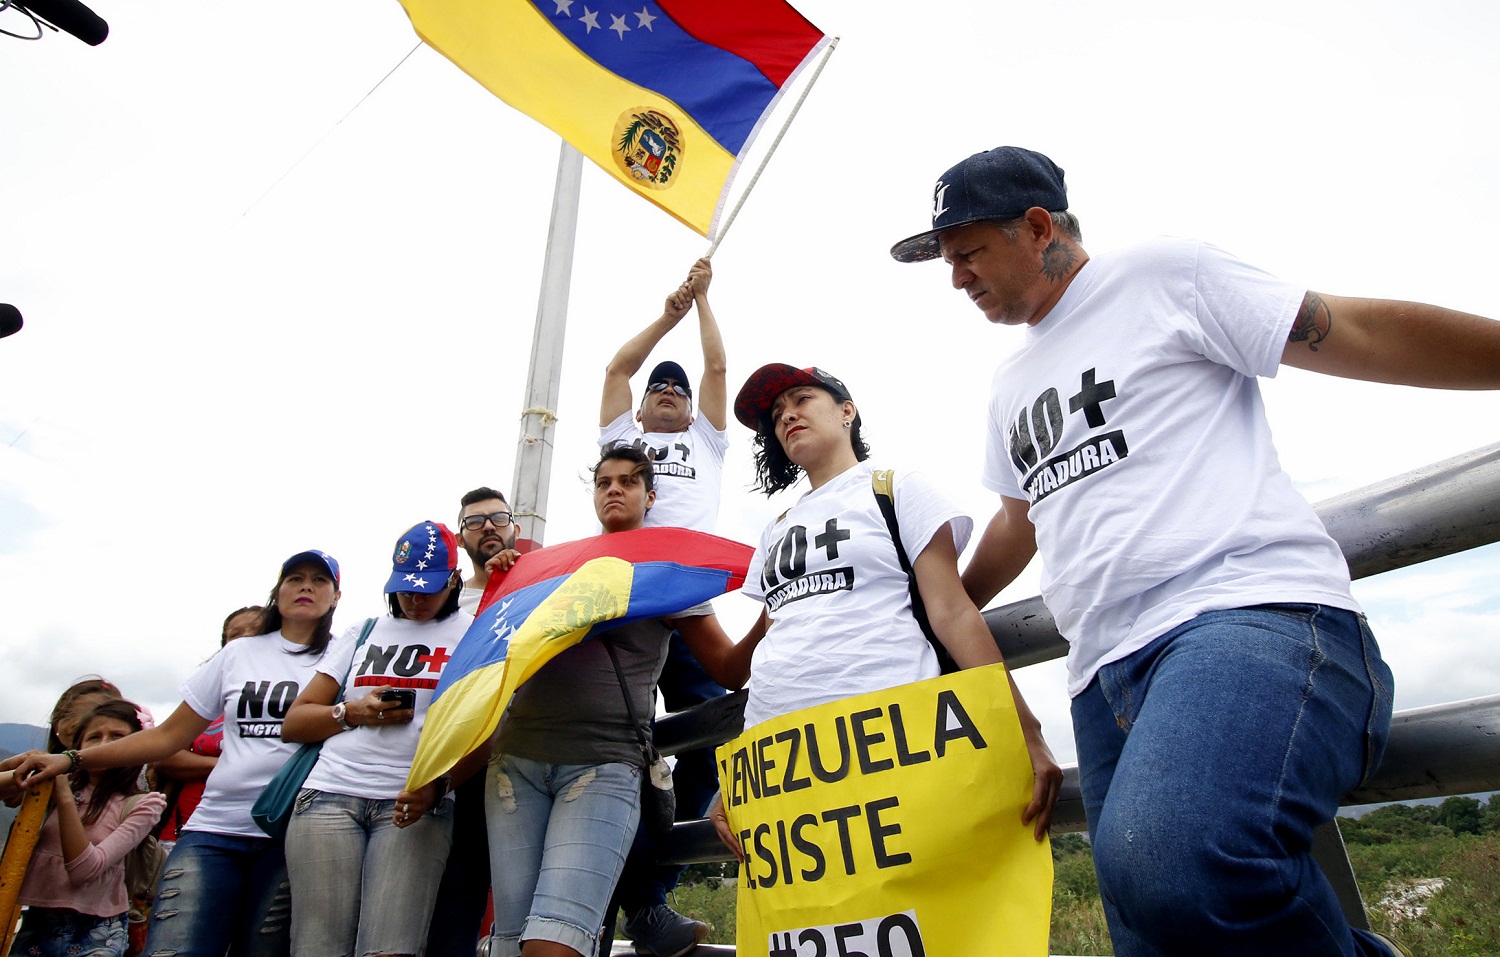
<point>848,425</point>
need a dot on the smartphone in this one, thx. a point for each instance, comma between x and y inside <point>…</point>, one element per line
<point>407,697</point>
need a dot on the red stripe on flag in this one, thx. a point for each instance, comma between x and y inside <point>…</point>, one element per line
<point>768,33</point>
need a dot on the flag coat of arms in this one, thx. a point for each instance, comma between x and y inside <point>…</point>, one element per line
<point>665,95</point>
<point>552,599</point>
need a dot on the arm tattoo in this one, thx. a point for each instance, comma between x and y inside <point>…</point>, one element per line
<point>1057,260</point>
<point>1313,323</point>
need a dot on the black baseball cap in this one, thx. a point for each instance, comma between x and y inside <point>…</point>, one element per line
<point>766,383</point>
<point>670,370</point>
<point>1002,183</point>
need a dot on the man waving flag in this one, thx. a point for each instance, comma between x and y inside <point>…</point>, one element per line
<point>665,95</point>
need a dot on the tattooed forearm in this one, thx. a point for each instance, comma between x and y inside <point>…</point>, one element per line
<point>1314,322</point>
<point>1057,260</point>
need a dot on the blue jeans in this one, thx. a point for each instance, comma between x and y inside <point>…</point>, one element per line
<point>217,891</point>
<point>1208,758</point>
<point>59,932</point>
<point>558,836</point>
<point>342,851</point>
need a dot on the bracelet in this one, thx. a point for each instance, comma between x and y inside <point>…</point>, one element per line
<point>73,761</point>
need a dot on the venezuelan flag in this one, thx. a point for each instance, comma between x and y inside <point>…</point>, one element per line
<point>552,599</point>
<point>665,95</point>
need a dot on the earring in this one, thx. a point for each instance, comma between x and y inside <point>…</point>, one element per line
<point>848,424</point>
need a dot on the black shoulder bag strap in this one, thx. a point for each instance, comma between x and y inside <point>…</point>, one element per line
<point>883,481</point>
<point>648,749</point>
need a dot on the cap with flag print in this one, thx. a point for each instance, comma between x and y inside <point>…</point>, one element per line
<point>424,559</point>
<point>665,95</point>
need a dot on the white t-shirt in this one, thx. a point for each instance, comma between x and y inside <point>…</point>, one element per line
<point>252,682</point>
<point>1132,422</point>
<point>838,601</point>
<point>468,600</point>
<point>372,761</point>
<point>688,466</point>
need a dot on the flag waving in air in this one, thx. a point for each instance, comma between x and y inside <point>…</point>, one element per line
<point>665,95</point>
<point>549,601</point>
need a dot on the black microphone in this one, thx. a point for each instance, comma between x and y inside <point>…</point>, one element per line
<point>10,320</point>
<point>70,16</point>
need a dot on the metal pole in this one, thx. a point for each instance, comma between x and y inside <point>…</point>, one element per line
<point>729,221</point>
<point>544,378</point>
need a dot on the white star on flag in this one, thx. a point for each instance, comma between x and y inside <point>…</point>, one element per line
<point>563,6</point>
<point>619,26</point>
<point>644,18</point>
<point>590,21</point>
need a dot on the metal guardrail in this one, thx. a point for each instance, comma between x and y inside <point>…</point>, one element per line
<point>1443,750</point>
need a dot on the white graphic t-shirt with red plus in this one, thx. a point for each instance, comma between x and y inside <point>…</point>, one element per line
<point>372,761</point>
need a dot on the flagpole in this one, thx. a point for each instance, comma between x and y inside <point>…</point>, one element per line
<point>827,55</point>
<point>544,378</point>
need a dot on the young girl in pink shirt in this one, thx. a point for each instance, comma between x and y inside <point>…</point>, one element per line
<point>75,886</point>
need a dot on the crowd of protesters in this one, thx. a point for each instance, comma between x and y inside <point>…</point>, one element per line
<point>548,815</point>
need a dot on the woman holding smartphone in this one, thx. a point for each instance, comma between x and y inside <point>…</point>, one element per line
<point>356,834</point>
<point>224,884</point>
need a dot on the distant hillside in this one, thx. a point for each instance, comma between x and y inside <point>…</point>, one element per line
<point>15,738</point>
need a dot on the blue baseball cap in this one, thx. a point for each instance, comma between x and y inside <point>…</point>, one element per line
<point>1002,183</point>
<point>426,555</point>
<point>317,558</point>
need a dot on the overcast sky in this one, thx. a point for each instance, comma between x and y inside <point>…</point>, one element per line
<point>258,322</point>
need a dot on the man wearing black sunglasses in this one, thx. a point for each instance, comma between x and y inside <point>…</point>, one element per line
<point>687,455</point>
<point>687,451</point>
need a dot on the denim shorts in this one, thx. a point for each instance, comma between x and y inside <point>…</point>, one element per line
<point>59,932</point>
<point>342,851</point>
<point>558,838</point>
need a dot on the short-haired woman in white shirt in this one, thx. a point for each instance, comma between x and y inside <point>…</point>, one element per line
<point>364,854</point>
<point>838,602</point>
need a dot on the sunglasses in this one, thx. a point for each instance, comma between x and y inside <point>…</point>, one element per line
<point>664,386</point>
<point>475,522</point>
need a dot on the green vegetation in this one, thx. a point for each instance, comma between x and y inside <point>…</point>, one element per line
<point>1397,851</point>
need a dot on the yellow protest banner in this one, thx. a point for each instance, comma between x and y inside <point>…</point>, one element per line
<point>889,825</point>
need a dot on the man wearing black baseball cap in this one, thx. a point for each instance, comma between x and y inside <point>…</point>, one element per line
<point>1226,690</point>
<point>687,451</point>
<point>687,454</point>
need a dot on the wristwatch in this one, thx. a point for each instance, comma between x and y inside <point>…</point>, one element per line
<point>338,715</point>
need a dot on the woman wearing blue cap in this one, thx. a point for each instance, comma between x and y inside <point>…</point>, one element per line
<point>224,884</point>
<point>356,834</point>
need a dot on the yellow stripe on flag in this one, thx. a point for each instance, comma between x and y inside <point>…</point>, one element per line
<point>541,74</point>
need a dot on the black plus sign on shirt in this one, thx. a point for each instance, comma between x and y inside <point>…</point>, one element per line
<point>1091,397</point>
<point>830,538</point>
